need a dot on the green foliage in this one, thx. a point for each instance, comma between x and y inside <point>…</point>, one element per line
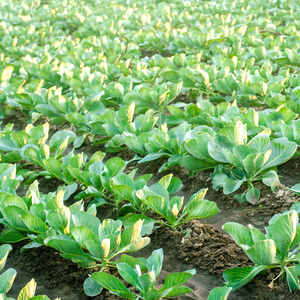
<point>157,198</point>
<point>278,248</point>
<point>219,293</point>
<point>141,273</point>
<point>76,233</point>
<point>87,247</point>
<point>295,189</point>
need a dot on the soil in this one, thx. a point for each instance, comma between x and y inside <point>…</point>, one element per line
<point>150,53</point>
<point>198,244</point>
<point>15,114</point>
<point>202,246</point>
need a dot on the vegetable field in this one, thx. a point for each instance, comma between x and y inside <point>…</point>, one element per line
<point>149,149</point>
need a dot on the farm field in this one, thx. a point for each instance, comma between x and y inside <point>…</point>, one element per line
<point>149,149</point>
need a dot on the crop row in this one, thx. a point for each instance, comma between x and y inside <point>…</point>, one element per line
<point>80,236</point>
<point>237,155</point>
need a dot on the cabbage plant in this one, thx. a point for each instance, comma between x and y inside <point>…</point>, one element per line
<point>238,159</point>
<point>157,198</point>
<point>279,248</point>
<point>141,273</point>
